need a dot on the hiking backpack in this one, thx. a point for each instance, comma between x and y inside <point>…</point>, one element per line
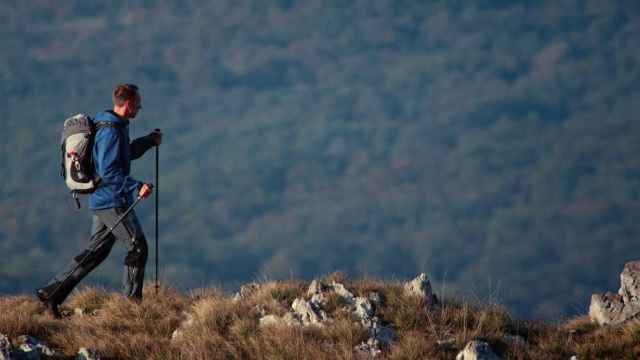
<point>77,147</point>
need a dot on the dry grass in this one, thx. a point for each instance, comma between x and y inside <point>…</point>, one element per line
<point>214,326</point>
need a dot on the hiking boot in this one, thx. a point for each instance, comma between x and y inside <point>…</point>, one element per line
<point>48,306</point>
<point>51,308</point>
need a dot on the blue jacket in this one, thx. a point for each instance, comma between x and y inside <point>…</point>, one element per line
<point>112,154</point>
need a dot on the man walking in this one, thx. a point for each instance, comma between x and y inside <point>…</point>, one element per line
<point>112,155</point>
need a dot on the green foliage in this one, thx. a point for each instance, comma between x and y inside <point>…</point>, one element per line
<point>485,143</point>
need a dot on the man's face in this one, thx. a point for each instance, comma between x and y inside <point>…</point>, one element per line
<point>133,106</point>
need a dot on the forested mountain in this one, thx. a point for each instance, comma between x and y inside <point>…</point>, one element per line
<point>493,145</point>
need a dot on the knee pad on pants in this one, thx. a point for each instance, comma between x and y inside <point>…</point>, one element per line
<point>95,256</point>
<point>137,257</point>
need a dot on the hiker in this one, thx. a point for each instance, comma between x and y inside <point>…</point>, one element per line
<point>112,155</point>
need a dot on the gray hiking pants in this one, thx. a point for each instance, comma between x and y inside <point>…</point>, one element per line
<point>130,235</point>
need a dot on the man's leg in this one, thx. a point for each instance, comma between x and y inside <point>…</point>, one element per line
<point>136,260</point>
<point>97,250</point>
<point>134,264</point>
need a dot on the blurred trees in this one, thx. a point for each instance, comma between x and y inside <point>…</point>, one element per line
<point>482,143</point>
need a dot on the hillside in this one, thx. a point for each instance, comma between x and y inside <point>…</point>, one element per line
<point>211,324</point>
<point>492,145</point>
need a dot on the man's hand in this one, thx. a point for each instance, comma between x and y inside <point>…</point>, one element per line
<point>156,136</point>
<point>146,190</point>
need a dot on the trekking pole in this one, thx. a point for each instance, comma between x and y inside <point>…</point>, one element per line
<point>91,251</point>
<point>157,188</point>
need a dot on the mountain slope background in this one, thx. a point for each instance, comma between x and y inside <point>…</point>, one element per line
<point>493,146</point>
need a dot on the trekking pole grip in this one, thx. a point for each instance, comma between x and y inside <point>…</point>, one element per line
<point>158,130</point>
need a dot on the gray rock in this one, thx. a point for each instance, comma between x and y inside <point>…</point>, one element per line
<point>370,348</point>
<point>309,312</point>
<point>246,291</point>
<point>629,284</point>
<point>258,312</point>
<point>27,352</point>
<point>616,308</point>
<point>269,320</point>
<point>421,287</point>
<point>317,292</point>
<point>605,308</point>
<point>343,292</point>
<point>29,343</point>
<point>30,348</point>
<point>315,288</point>
<point>383,333</point>
<point>374,298</point>
<point>187,320</point>
<point>477,350</point>
<point>5,347</point>
<point>88,354</point>
<point>447,343</point>
<point>363,308</point>
<point>176,334</point>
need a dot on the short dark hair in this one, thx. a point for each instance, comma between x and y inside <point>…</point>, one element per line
<point>124,92</point>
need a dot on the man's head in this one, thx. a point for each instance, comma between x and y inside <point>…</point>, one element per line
<point>126,101</point>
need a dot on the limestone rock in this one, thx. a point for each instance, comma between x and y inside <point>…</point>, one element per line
<point>309,312</point>
<point>315,288</point>
<point>477,350</point>
<point>28,352</point>
<point>630,286</point>
<point>605,308</point>
<point>187,320</point>
<point>268,320</point>
<point>246,291</point>
<point>370,348</point>
<point>31,345</point>
<point>616,308</point>
<point>363,308</point>
<point>375,299</point>
<point>447,343</point>
<point>383,333</point>
<point>421,286</point>
<point>88,354</point>
<point>343,292</point>
<point>317,292</point>
<point>258,311</point>
<point>5,347</point>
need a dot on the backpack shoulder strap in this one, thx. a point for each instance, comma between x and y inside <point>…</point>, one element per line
<point>97,126</point>
<point>104,124</point>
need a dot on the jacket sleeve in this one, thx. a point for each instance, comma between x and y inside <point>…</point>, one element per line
<point>139,146</point>
<point>108,166</point>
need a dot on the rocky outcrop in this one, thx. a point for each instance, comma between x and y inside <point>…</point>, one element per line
<point>362,309</point>
<point>616,308</point>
